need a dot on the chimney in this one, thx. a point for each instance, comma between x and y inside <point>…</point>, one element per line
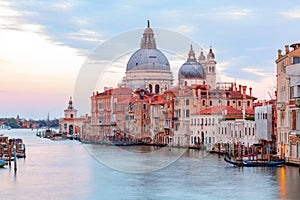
<point>287,49</point>
<point>240,88</point>
<point>194,89</point>
<point>207,88</point>
<point>244,91</point>
<point>279,53</point>
<point>250,89</point>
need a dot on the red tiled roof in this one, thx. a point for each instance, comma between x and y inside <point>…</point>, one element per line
<point>250,111</point>
<point>158,102</point>
<point>116,91</point>
<point>218,110</point>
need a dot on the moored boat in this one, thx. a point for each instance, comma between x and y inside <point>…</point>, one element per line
<point>254,163</point>
<point>2,163</point>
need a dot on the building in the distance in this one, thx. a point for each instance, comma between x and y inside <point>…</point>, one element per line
<point>71,124</point>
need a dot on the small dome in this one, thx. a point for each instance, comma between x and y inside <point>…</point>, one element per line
<point>148,59</point>
<point>210,55</point>
<point>191,70</point>
<point>202,57</point>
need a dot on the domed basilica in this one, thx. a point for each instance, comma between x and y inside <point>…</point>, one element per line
<point>149,68</point>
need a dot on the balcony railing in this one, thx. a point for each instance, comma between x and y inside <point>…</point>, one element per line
<point>113,123</point>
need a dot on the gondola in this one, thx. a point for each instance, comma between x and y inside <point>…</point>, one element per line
<point>251,163</point>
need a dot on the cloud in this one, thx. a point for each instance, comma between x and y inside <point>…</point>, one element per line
<point>291,13</point>
<point>33,65</point>
<point>224,65</point>
<point>226,13</point>
<point>64,6</point>
<point>185,29</point>
<point>257,71</point>
<point>259,48</point>
<point>86,35</point>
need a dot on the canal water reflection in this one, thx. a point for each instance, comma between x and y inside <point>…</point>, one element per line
<point>71,170</point>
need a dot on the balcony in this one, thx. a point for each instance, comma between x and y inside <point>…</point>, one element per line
<point>113,123</point>
<point>175,118</point>
<point>104,124</point>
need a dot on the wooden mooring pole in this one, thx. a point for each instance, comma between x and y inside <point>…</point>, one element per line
<point>15,156</point>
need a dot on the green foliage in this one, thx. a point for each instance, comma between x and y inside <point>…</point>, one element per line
<point>252,118</point>
<point>13,123</point>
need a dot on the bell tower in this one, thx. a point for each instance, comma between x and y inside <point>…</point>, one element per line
<point>70,112</point>
<point>210,68</point>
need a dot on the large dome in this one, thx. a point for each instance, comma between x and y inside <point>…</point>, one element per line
<point>191,70</point>
<point>148,59</point>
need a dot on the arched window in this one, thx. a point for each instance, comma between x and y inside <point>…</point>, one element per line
<point>187,102</point>
<point>71,129</point>
<point>156,89</point>
<point>187,113</point>
<point>212,69</point>
<point>150,88</point>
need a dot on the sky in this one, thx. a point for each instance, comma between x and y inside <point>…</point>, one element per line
<point>43,44</point>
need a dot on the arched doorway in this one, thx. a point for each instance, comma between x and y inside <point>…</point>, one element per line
<point>71,129</point>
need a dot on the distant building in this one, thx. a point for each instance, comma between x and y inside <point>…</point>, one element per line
<point>71,124</point>
<point>108,112</point>
<point>222,124</point>
<point>288,103</point>
<point>264,120</point>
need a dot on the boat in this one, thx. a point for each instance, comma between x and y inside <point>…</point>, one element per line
<point>254,163</point>
<point>58,136</point>
<point>2,163</point>
<point>5,157</point>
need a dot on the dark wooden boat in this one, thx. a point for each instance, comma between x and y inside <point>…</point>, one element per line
<point>251,163</point>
